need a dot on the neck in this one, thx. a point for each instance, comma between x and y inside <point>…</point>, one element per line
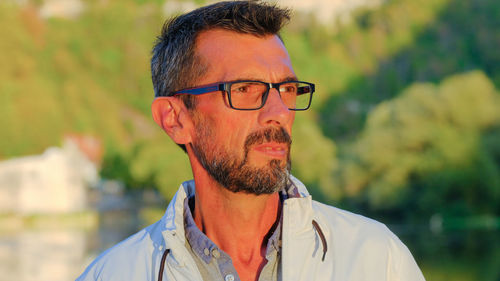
<point>225,216</point>
<point>238,223</point>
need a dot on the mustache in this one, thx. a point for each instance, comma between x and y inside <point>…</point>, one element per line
<point>279,135</point>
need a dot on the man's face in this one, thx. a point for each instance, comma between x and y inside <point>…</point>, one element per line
<point>247,151</point>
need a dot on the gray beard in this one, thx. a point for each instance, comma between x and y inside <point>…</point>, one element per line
<point>239,176</point>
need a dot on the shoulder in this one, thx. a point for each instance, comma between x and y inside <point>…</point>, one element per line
<point>349,222</point>
<point>134,256</point>
<point>354,230</point>
<point>365,242</point>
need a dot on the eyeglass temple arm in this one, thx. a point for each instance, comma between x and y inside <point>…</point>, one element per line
<point>202,90</point>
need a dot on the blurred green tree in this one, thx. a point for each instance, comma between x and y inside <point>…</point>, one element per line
<point>433,149</point>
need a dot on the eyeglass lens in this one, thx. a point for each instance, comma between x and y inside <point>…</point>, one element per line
<point>249,95</point>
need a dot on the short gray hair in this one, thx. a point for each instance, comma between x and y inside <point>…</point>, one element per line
<point>175,64</point>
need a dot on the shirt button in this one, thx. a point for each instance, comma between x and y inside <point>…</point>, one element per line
<point>206,251</point>
<point>229,277</point>
<point>216,253</point>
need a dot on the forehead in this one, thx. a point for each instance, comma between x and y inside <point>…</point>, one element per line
<point>230,56</point>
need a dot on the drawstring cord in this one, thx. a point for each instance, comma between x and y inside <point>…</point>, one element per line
<point>322,236</point>
<point>162,264</point>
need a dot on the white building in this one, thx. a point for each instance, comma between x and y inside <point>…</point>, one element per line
<point>54,182</point>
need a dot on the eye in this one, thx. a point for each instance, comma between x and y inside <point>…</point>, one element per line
<point>241,88</point>
<point>247,88</point>
<point>288,88</point>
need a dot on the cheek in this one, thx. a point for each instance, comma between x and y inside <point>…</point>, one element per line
<point>204,130</point>
<point>218,133</point>
<point>226,127</point>
<point>233,134</point>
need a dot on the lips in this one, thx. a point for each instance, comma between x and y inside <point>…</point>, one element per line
<point>272,142</point>
<point>273,149</point>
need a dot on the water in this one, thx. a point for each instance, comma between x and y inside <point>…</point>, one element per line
<point>59,252</point>
<point>42,254</point>
<point>60,247</point>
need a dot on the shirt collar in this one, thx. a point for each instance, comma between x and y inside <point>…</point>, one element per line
<point>196,238</point>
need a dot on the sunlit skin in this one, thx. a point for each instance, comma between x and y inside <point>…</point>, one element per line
<point>236,222</point>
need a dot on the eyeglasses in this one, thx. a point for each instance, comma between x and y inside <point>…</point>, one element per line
<point>252,95</point>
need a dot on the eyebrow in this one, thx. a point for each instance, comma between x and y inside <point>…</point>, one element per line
<point>290,78</point>
<point>286,79</point>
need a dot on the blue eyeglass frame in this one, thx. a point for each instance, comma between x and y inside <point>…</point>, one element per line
<point>226,87</point>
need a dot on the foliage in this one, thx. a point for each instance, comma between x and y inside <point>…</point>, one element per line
<point>385,50</point>
<point>372,142</point>
<point>399,156</point>
<point>310,164</point>
<point>432,148</point>
<point>88,76</point>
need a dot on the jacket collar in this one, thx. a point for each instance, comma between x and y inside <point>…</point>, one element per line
<point>173,219</point>
<point>174,216</point>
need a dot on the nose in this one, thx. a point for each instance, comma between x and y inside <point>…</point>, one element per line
<point>275,112</point>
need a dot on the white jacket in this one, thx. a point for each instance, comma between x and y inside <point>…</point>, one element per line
<point>355,248</point>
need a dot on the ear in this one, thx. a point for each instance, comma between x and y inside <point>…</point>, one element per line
<point>173,117</point>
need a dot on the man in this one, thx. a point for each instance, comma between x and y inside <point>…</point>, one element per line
<point>226,92</point>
